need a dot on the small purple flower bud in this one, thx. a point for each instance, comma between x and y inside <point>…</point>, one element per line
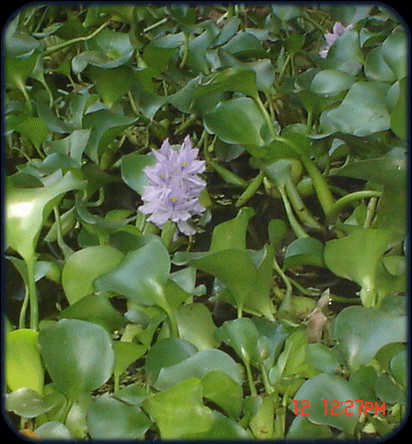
<point>175,186</point>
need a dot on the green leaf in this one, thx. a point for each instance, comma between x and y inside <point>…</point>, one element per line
<point>126,353</point>
<point>394,51</point>
<point>197,366</point>
<point>94,308</point>
<point>376,68</point>
<point>398,366</point>
<point>196,325</point>
<point>242,335</point>
<point>132,166</point>
<point>141,276</point>
<point>245,44</point>
<point>232,233</point>
<point>83,267</point>
<point>237,120</point>
<point>327,388</point>
<point>27,210</point>
<point>34,128</point>
<point>323,358</point>
<point>358,344</point>
<point>304,251</point>
<point>78,355</point>
<point>179,411</point>
<point>29,403</point>
<point>221,265</point>
<point>262,423</point>
<point>362,112</point>
<point>105,126</point>
<point>357,256</point>
<point>302,429</point>
<point>230,79</point>
<point>111,84</point>
<point>109,418</point>
<point>53,430</point>
<point>388,171</point>
<point>23,366</point>
<point>399,123</point>
<point>331,82</point>
<point>224,391</point>
<point>167,352</point>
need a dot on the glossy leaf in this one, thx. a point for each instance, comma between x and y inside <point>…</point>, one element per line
<point>362,112</point>
<point>141,276</point>
<point>132,166</point>
<point>359,344</point>
<point>231,79</point>
<point>53,430</point>
<point>109,418</point>
<point>179,412</point>
<point>23,366</point>
<point>232,234</point>
<point>388,171</point>
<point>27,210</point>
<point>196,325</point>
<point>251,131</point>
<point>242,336</point>
<point>394,51</point>
<point>326,387</point>
<point>88,358</point>
<point>331,82</point>
<point>197,366</point>
<point>83,267</point>
<point>95,308</point>
<point>356,257</point>
<point>304,251</point>
<point>224,391</point>
<point>165,353</point>
<point>29,403</point>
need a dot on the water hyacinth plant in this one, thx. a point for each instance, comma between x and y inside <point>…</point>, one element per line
<point>175,186</point>
<point>205,221</point>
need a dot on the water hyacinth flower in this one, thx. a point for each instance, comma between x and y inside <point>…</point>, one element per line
<point>331,37</point>
<point>175,186</point>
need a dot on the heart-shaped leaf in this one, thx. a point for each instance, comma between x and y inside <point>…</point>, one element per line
<point>323,389</point>
<point>78,355</point>
<point>197,366</point>
<point>110,418</point>
<point>252,130</point>
<point>359,344</point>
<point>141,276</point>
<point>357,256</point>
<point>362,112</point>
<point>242,335</point>
<point>179,412</point>
<point>83,267</point>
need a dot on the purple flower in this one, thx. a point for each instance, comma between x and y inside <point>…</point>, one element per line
<point>175,186</point>
<point>338,29</point>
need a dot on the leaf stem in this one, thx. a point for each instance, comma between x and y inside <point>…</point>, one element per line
<point>298,230</point>
<point>34,303</point>
<point>67,43</point>
<point>298,205</point>
<point>251,383</point>
<point>348,199</point>
<point>250,190</point>
<point>319,182</point>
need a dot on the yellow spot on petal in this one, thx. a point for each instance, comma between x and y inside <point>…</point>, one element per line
<point>173,199</point>
<point>184,163</point>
